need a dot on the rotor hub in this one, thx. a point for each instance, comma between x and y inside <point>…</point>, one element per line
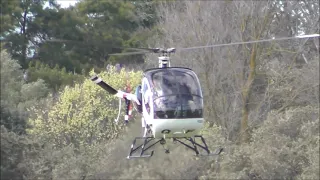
<point>164,60</point>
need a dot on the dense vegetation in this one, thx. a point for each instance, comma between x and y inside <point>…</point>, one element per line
<point>261,100</point>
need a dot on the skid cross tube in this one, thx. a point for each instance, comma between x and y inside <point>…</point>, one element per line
<point>146,140</point>
<point>194,148</point>
<point>143,147</point>
<point>195,145</point>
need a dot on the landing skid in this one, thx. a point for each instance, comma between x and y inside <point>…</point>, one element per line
<point>148,142</point>
<point>143,147</point>
<point>196,145</point>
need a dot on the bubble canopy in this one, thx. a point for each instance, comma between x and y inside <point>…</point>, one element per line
<point>176,93</point>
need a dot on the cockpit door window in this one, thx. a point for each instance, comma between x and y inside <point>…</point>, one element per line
<point>146,96</point>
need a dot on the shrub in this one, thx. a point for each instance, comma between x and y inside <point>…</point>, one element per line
<point>83,114</point>
<point>56,77</point>
<point>12,146</point>
<point>17,95</point>
<point>286,145</point>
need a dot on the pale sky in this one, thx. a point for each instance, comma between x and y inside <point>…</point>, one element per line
<point>66,3</point>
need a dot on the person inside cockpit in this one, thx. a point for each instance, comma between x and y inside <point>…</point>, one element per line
<point>186,95</point>
<point>157,87</point>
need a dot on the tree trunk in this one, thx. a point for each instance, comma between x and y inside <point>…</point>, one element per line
<point>246,96</point>
<point>25,40</point>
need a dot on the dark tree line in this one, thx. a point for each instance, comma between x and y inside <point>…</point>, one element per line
<point>89,31</point>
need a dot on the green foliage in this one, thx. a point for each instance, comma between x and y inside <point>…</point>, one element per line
<point>31,157</point>
<point>310,147</point>
<point>112,24</point>
<point>16,95</point>
<point>73,134</point>
<point>11,80</point>
<point>83,114</point>
<point>7,20</point>
<point>18,31</point>
<point>146,12</point>
<point>92,30</point>
<point>56,77</point>
<point>12,147</point>
<point>285,146</point>
<point>60,24</point>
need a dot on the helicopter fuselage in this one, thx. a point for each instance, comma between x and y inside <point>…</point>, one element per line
<point>171,102</point>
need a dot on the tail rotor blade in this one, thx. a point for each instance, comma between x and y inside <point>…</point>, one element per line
<point>104,85</point>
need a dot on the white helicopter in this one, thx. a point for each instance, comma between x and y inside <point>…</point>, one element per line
<point>171,102</point>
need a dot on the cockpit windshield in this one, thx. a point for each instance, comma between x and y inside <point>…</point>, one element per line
<point>175,82</point>
<point>177,94</point>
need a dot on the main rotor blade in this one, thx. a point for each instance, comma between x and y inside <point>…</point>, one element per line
<point>82,42</point>
<point>63,41</point>
<point>139,49</point>
<point>250,42</point>
<point>129,53</point>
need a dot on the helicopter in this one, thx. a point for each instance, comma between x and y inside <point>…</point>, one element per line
<point>171,102</point>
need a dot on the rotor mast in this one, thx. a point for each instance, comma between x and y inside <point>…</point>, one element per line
<point>164,56</point>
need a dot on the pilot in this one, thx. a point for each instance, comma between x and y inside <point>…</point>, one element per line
<point>160,101</point>
<point>184,90</point>
<point>157,87</point>
<point>186,95</point>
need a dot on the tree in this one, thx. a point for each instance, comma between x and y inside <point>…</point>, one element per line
<point>16,95</point>
<point>12,146</point>
<point>92,30</point>
<point>8,21</point>
<point>17,33</point>
<point>84,114</point>
<point>60,24</point>
<point>286,145</point>
<point>233,78</point>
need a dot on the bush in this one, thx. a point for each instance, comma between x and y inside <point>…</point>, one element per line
<point>83,114</point>
<point>285,146</point>
<point>56,77</point>
<point>12,147</point>
<point>17,95</point>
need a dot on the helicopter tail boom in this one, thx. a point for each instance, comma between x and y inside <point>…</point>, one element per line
<point>111,90</point>
<point>103,85</point>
